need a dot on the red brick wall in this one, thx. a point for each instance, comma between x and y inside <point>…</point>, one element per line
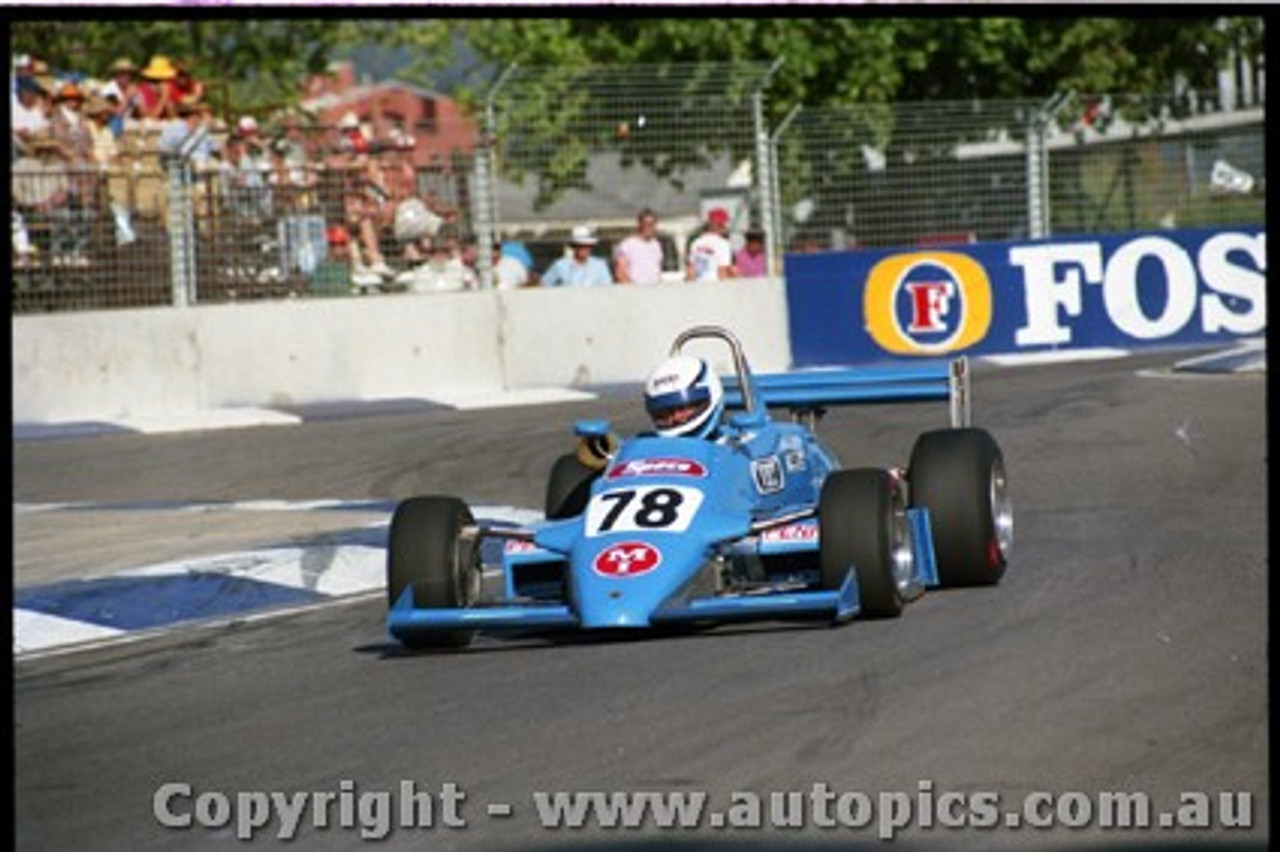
<point>437,123</point>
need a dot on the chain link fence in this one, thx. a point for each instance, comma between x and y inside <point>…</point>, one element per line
<point>594,146</point>
<point>931,173</point>
<point>283,212</point>
<point>298,210</point>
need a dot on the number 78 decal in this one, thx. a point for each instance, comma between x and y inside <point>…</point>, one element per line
<point>655,508</point>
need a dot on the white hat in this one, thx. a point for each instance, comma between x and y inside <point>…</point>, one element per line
<point>582,236</point>
<point>247,124</point>
<point>349,121</point>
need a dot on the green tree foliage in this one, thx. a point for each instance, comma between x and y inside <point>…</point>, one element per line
<point>827,61</point>
<point>842,60</point>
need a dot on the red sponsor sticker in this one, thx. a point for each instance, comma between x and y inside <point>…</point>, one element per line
<point>657,467</point>
<point>628,559</point>
<point>516,545</point>
<point>792,532</point>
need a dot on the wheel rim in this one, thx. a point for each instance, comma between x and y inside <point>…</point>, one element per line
<point>1001,509</point>
<point>901,553</point>
<point>467,570</point>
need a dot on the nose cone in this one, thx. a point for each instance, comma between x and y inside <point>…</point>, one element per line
<point>655,517</point>
<point>619,581</point>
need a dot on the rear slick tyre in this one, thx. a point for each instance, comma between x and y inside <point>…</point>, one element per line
<point>959,476</point>
<point>568,488</point>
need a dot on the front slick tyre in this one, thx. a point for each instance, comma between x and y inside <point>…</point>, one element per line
<point>862,523</point>
<point>959,476</point>
<point>427,555</point>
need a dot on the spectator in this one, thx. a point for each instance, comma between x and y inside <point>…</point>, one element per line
<point>750,259</point>
<point>469,254</point>
<point>520,252</point>
<point>41,194</point>
<point>351,136</point>
<point>508,272</point>
<point>124,88</point>
<point>298,173</point>
<point>67,119</point>
<point>175,130</point>
<point>444,271</point>
<point>711,254</point>
<point>105,154</point>
<point>578,267</point>
<point>102,141</point>
<point>154,92</point>
<point>183,85</point>
<point>332,276</point>
<point>366,206</point>
<point>250,170</point>
<point>71,130</point>
<point>31,112</point>
<point>638,258</point>
<point>414,226</point>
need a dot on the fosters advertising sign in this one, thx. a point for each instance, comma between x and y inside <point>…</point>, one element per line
<point>1164,287</point>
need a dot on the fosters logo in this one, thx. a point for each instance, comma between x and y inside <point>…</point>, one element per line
<point>927,303</point>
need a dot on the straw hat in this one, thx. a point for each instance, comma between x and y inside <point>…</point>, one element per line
<point>48,84</point>
<point>97,105</point>
<point>42,140</point>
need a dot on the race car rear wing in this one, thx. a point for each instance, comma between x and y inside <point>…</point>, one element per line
<point>817,389</point>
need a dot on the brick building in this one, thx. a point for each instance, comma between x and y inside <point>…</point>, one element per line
<point>389,109</point>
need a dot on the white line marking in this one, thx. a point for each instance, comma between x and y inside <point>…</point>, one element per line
<point>1054,357</point>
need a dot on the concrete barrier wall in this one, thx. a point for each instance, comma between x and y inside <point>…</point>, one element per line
<point>601,336</point>
<point>118,364</point>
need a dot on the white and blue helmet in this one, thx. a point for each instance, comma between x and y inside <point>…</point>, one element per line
<point>684,398</point>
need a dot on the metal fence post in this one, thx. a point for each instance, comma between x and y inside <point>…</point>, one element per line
<point>485,191</point>
<point>775,258</point>
<point>181,233</point>
<point>1038,190</point>
<point>764,171</point>
<point>182,229</point>
<point>1035,167</point>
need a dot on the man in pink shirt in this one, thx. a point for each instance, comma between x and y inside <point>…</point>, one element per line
<point>750,259</point>
<point>638,258</point>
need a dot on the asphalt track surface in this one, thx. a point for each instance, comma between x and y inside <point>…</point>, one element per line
<point>1124,651</point>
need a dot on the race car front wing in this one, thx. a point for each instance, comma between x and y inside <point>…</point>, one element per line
<point>839,605</point>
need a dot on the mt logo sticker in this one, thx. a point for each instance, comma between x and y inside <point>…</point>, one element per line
<point>628,559</point>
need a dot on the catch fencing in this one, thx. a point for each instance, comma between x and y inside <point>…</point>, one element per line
<point>934,173</point>
<point>595,146</point>
<point>289,212</point>
<point>219,219</point>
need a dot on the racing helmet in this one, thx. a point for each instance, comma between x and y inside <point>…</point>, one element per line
<point>684,398</point>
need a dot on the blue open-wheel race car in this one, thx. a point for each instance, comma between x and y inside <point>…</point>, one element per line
<point>755,520</point>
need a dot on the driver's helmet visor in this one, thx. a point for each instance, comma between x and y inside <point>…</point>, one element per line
<point>672,410</point>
